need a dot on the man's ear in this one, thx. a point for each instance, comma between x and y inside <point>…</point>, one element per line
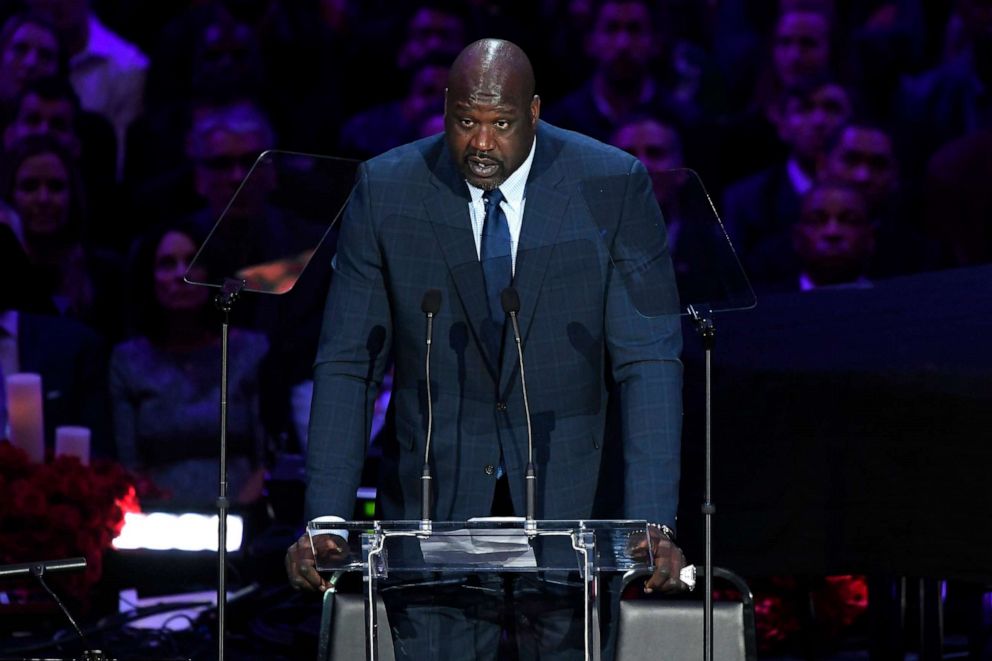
<point>535,110</point>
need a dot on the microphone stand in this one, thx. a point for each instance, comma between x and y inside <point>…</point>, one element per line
<point>430,305</point>
<point>703,321</point>
<point>224,301</point>
<point>511,305</point>
<point>38,570</point>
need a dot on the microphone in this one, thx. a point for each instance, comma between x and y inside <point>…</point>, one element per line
<point>511,306</point>
<point>430,304</point>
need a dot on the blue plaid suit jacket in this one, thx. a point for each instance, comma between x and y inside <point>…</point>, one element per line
<point>407,230</point>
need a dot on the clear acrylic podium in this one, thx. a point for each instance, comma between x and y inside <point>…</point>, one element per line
<point>550,550</point>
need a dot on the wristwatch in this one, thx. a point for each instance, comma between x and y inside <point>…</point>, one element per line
<point>664,530</point>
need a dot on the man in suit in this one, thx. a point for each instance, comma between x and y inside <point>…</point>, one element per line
<point>598,316</point>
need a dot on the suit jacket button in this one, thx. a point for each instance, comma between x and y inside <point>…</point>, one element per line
<point>500,406</point>
<point>490,469</point>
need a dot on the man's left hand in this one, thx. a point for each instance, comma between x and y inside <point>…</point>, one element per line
<point>668,562</point>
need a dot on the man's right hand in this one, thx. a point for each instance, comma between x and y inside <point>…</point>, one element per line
<point>301,567</point>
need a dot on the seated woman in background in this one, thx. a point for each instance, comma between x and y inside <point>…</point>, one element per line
<point>165,382</point>
<point>41,183</point>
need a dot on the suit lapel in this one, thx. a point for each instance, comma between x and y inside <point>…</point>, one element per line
<point>447,208</point>
<point>544,212</point>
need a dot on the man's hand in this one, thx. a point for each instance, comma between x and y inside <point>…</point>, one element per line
<point>301,567</point>
<point>668,562</point>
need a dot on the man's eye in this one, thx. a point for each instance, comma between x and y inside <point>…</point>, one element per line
<point>466,122</point>
<point>502,124</point>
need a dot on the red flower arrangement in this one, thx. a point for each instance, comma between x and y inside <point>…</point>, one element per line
<point>783,605</point>
<point>62,509</point>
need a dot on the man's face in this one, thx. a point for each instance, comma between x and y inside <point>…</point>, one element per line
<point>863,158</point>
<point>807,122</point>
<point>834,236</point>
<point>226,160</point>
<point>622,41</point>
<point>657,147</point>
<point>490,129</point>
<point>227,56</point>
<point>426,92</point>
<point>38,116</point>
<point>31,53</point>
<point>802,46</point>
<point>41,194</point>
<point>431,31</point>
<point>654,145</point>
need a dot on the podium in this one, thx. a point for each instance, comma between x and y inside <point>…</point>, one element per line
<point>424,551</point>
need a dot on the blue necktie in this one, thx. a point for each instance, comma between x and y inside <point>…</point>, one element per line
<point>497,265</point>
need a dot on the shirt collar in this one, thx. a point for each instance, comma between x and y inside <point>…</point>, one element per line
<point>802,183</point>
<point>515,186</point>
<point>99,45</point>
<point>8,322</point>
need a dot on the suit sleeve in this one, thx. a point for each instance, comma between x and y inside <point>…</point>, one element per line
<point>354,343</point>
<point>644,347</point>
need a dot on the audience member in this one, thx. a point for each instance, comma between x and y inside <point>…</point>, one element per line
<point>29,50</point>
<point>42,183</point>
<point>165,382</point>
<point>950,99</point>
<point>759,210</point>
<point>209,59</point>
<point>420,31</point>
<point>434,28</point>
<point>862,155</point>
<point>623,45</point>
<point>218,148</point>
<point>834,238</point>
<point>882,41</point>
<point>798,52</point>
<point>396,122</point>
<point>49,106</point>
<point>222,145</point>
<point>107,72</point>
<point>659,147</point>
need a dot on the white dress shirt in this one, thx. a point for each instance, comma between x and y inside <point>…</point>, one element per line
<point>514,191</point>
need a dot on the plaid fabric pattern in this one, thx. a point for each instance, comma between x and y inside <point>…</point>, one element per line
<point>407,229</point>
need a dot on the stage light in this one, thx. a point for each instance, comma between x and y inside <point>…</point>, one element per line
<point>160,531</point>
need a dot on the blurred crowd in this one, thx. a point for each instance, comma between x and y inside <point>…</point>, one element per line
<point>841,141</point>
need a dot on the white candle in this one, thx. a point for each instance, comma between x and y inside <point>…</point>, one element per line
<point>73,442</point>
<point>27,427</point>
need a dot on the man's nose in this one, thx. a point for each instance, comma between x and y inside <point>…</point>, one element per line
<point>238,172</point>
<point>832,228</point>
<point>861,173</point>
<point>482,139</point>
<point>31,59</point>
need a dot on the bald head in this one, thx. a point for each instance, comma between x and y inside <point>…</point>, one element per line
<point>490,111</point>
<point>492,68</point>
